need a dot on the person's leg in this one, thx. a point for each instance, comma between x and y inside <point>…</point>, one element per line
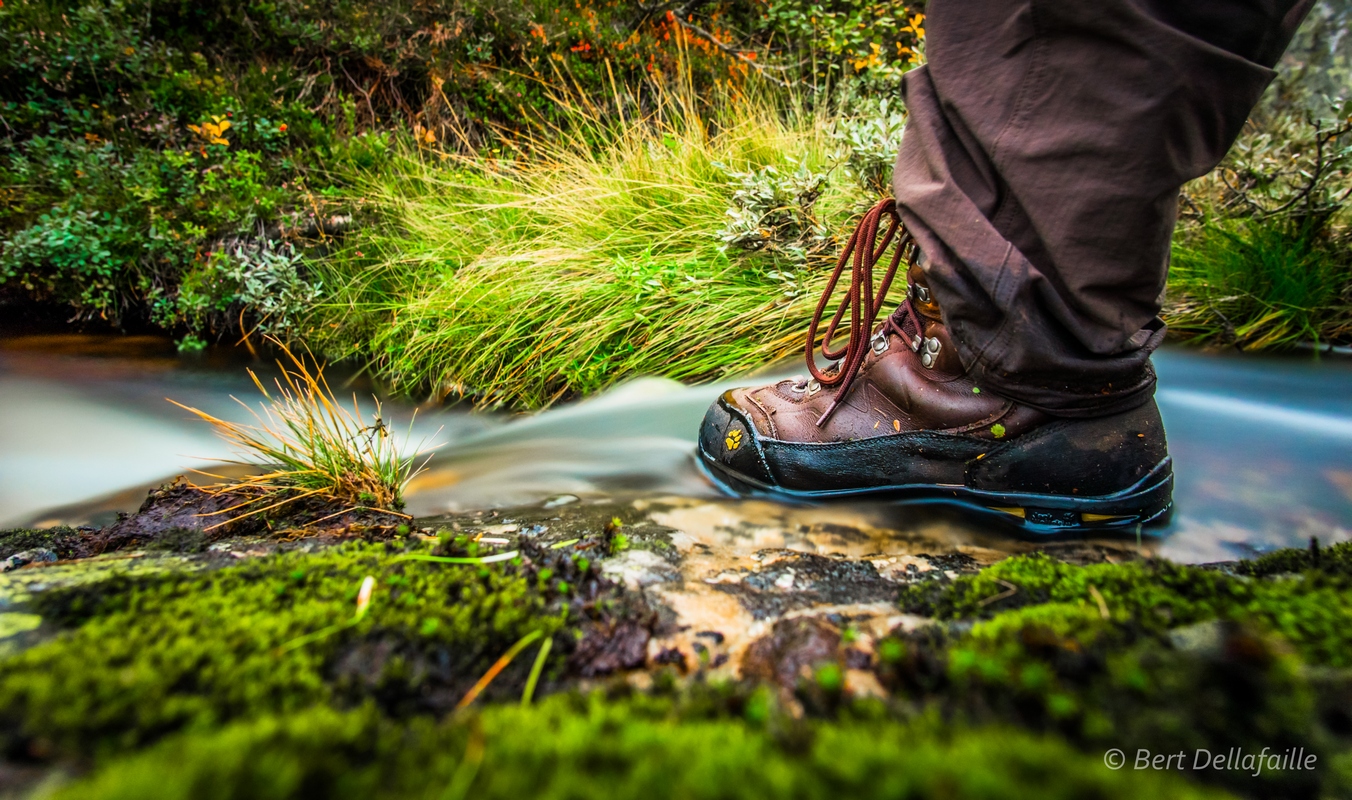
<point>1038,181</point>
<point>1040,170</point>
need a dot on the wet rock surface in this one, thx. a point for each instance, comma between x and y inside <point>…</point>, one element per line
<point>792,651</point>
<point>698,582</point>
<point>789,581</point>
<point>181,517</point>
<point>815,608</point>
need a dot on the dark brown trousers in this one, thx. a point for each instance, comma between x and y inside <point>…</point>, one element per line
<point>1040,170</point>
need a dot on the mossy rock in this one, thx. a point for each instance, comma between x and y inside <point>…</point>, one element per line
<point>145,656</point>
<point>1312,611</point>
<point>65,542</point>
<point>257,680</point>
<point>1145,655</point>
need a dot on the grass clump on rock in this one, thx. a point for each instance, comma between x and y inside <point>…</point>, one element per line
<point>310,446</point>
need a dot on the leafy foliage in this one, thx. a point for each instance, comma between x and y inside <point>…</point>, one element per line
<point>774,211</point>
<point>869,137</point>
<point>147,144</point>
<point>264,278</point>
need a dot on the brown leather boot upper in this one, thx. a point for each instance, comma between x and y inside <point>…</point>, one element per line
<point>897,417</point>
<point>908,379</point>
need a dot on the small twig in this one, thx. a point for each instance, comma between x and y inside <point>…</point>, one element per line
<point>1010,591</point>
<point>498,666</point>
<point>535,671</point>
<point>1314,176</point>
<point>732,51</point>
<point>496,557</point>
<point>1102,605</point>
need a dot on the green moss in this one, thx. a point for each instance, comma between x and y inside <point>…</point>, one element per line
<point>64,541</point>
<point>1313,612</point>
<point>1335,560</point>
<point>150,656</point>
<point>216,685</point>
<point>570,747</point>
<point>1144,655</point>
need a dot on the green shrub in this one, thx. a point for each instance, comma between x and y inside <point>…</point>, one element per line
<point>146,141</point>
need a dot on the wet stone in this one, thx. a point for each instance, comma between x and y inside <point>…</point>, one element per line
<point>27,557</point>
<point>803,580</point>
<point>792,651</point>
<point>611,646</point>
<point>639,568</point>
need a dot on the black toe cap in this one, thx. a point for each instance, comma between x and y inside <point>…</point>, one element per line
<point>728,438</point>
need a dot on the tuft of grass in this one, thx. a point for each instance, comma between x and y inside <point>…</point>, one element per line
<point>583,258</point>
<point>1259,283</point>
<point>691,242</point>
<point>311,445</point>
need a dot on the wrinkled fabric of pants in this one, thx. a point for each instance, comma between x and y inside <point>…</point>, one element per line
<point>1040,170</point>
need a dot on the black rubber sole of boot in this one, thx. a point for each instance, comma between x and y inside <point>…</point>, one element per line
<point>1149,502</point>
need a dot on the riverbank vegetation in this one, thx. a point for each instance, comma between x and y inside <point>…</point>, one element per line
<point>522,202</point>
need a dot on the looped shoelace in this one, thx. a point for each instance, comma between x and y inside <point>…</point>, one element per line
<point>860,299</point>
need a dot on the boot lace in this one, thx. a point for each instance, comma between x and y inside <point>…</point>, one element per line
<point>862,251</point>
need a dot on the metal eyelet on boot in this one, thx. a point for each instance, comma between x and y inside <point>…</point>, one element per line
<point>807,387</point>
<point>880,343</point>
<point>931,354</point>
<point>922,294</point>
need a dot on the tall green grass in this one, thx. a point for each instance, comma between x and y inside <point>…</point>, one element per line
<point>1259,283</point>
<point>590,256</point>
<point>583,256</point>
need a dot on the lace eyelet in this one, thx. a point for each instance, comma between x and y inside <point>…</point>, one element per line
<point>807,387</point>
<point>880,343</point>
<point>931,352</point>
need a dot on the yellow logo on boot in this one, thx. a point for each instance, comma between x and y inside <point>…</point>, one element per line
<point>734,439</point>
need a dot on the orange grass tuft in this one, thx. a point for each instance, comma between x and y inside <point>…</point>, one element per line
<point>311,446</point>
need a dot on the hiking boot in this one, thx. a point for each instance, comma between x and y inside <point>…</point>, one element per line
<point>896,416</point>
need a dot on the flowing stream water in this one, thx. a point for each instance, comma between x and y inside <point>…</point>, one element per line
<point>1262,446</point>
